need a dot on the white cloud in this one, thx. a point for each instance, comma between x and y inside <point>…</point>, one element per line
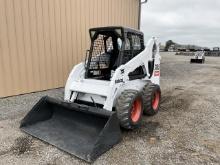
<point>184,21</point>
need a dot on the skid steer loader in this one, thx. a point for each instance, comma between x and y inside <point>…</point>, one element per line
<point>199,57</point>
<point>117,83</point>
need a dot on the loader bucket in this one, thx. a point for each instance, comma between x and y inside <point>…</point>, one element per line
<point>83,131</point>
<point>200,61</point>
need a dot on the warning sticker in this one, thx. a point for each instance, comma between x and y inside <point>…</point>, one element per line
<point>157,70</point>
<point>157,73</point>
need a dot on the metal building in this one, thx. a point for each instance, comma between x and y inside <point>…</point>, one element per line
<point>41,40</point>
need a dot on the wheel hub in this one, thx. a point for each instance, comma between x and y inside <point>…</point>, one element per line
<point>136,110</point>
<point>156,100</point>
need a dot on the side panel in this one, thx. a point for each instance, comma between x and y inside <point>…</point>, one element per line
<point>156,73</point>
<point>77,73</point>
<point>121,74</point>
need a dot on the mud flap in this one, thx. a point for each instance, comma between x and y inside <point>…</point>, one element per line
<point>200,61</point>
<point>83,131</point>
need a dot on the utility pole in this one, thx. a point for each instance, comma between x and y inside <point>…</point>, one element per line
<point>141,2</point>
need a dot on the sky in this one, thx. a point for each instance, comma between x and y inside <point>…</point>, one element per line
<point>183,21</point>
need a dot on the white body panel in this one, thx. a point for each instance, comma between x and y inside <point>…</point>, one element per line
<point>96,87</point>
<point>106,92</point>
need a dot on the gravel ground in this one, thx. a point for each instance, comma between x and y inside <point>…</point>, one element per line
<point>185,131</point>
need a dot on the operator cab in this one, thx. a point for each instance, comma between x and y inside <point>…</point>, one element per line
<point>110,48</point>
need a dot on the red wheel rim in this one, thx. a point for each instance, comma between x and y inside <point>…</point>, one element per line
<point>136,110</point>
<point>156,100</point>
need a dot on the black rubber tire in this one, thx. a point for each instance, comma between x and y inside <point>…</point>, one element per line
<point>124,108</point>
<point>149,91</point>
